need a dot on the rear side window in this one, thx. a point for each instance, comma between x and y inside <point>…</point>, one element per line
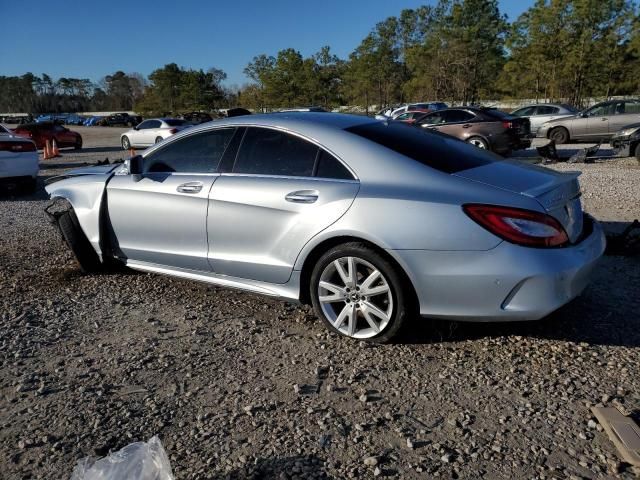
<point>524,112</point>
<point>631,107</point>
<point>330,167</point>
<point>272,152</point>
<point>546,110</point>
<point>198,153</point>
<point>433,149</point>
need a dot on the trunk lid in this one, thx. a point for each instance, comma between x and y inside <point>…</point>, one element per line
<point>557,192</point>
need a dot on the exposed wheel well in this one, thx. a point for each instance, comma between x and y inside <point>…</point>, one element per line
<point>321,248</point>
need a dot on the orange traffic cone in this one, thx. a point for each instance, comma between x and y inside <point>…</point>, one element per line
<point>54,149</point>
<point>46,152</point>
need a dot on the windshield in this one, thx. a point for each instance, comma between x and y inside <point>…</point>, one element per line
<point>436,150</point>
<point>4,130</point>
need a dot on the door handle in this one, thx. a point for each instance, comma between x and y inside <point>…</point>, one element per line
<point>604,119</point>
<point>302,196</point>
<point>466,125</point>
<point>190,187</point>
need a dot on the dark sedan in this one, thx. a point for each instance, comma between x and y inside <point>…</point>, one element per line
<point>486,128</point>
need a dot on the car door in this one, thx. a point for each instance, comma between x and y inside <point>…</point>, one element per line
<point>625,113</point>
<point>281,191</point>
<point>542,114</point>
<point>594,123</point>
<point>159,217</point>
<point>137,135</point>
<point>455,122</point>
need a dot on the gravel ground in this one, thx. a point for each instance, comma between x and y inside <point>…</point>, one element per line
<point>239,386</point>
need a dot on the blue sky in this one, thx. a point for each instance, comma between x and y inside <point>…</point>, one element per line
<point>91,39</point>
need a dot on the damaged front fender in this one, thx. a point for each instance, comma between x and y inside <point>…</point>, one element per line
<point>85,193</point>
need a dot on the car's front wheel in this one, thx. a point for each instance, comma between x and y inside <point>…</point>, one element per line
<point>159,139</point>
<point>126,144</point>
<point>359,293</point>
<point>78,242</point>
<point>560,135</point>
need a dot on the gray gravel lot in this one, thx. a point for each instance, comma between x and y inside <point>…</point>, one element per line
<point>239,386</point>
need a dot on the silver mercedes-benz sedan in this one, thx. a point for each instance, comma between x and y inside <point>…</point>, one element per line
<point>373,223</point>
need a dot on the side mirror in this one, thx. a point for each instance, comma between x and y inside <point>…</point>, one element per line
<point>135,166</point>
<point>135,128</point>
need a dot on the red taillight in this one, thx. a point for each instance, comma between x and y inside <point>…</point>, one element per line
<point>17,147</point>
<point>506,124</point>
<point>173,130</point>
<point>516,225</point>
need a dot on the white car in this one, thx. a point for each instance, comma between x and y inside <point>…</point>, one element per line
<point>18,160</point>
<point>151,131</point>
<point>542,113</point>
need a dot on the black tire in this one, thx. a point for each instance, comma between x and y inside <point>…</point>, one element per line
<point>403,304</point>
<point>30,185</point>
<point>126,144</point>
<point>637,151</point>
<point>560,135</point>
<point>159,139</point>
<point>478,142</point>
<point>78,144</point>
<point>78,243</point>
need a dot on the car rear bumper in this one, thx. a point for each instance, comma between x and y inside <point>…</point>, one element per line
<point>21,165</point>
<point>506,283</point>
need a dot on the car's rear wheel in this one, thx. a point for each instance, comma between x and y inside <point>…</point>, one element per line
<point>560,135</point>
<point>478,142</point>
<point>78,242</point>
<point>126,144</point>
<point>359,294</point>
<point>78,144</point>
<point>159,139</point>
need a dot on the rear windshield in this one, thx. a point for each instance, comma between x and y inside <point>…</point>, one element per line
<point>436,150</point>
<point>174,123</point>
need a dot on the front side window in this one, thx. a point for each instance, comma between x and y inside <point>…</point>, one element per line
<point>601,110</point>
<point>433,119</point>
<point>144,125</point>
<point>273,152</point>
<point>200,153</point>
<point>457,116</point>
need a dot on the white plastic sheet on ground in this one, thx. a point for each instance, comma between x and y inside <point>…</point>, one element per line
<point>137,461</point>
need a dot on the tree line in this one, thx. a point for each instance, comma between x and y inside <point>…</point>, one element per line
<point>458,51</point>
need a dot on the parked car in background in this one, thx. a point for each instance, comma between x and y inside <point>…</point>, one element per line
<point>393,112</point>
<point>196,118</point>
<point>74,119</point>
<point>91,121</point>
<point>543,112</point>
<point>18,160</point>
<point>52,117</point>
<point>596,123</point>
<point>118,119</point>
<point>373,223</point>
<point>41,132</point>
<point>626,141</point>
<point>486,128</point>
<point>152,130</point>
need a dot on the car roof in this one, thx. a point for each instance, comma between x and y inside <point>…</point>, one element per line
<point>283,119</point>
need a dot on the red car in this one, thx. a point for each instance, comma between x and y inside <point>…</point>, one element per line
<point>41,132</point>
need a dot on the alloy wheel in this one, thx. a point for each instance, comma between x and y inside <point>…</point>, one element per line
<point>478,143</point>
<point>355,297</point>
